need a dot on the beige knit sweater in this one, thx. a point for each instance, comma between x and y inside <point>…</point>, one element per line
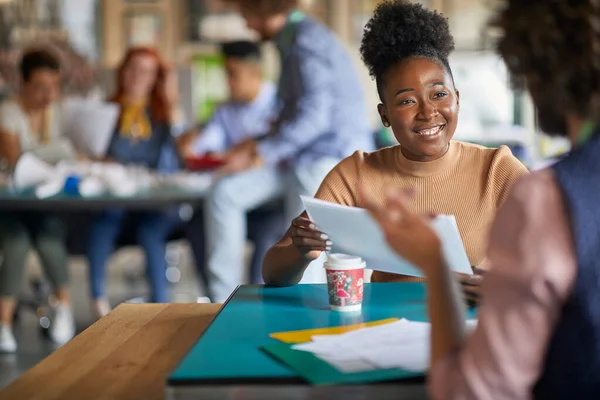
<point>469,182</point>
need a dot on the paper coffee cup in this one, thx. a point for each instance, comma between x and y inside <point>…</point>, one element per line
<point>345,282</point>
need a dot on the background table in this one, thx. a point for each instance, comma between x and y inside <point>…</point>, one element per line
<point>147,200</point>
<point>126,355</point>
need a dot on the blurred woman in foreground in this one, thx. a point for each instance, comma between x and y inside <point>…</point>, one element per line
<point>142,138</point>
<point>539,323</point>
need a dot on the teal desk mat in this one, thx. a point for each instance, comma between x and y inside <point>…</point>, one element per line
<point>230,349</point>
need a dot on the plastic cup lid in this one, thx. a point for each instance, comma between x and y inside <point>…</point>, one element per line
<point>344,261</point>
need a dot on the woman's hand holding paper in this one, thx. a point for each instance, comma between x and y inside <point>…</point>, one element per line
<point>309,241</point>
<point>471,286</point>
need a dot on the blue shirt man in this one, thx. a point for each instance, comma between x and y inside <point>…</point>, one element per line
<point>321,118</point>
<point>247,113</point>
<point>234,122</point>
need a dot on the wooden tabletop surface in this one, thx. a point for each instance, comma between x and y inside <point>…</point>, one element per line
<point>126,355</point>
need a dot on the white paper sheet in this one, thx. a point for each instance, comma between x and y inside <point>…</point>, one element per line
<point>353,231</point>
<point>402,344</point>
<point>347,366</point>
<point>89,124</point>
<point>30,171</point>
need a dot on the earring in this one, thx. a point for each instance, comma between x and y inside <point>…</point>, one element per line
<point>386,124</point>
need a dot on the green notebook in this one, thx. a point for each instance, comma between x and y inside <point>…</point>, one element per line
<point>318,372</point>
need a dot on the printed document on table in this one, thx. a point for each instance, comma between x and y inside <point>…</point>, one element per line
<point>354,232</point>
<point>402,344</point>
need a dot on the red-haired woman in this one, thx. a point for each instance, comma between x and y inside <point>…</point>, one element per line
<point>143,137</point>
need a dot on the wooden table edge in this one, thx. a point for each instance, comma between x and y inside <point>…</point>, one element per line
<point>158,335</point>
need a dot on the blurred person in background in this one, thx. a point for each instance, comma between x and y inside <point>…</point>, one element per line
<point>248,113</point>
<point>32,122</point>
<point>539,324</point>
<point>321,118</point>
<point>144,137</point>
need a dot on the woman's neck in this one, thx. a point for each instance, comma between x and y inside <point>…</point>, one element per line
<point>29,108</point>
<point>419,158</point>
<point>428,168</point>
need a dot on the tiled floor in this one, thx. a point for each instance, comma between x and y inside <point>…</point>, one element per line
<point>33,347</point>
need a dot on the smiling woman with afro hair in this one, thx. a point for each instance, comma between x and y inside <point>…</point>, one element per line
<point>406,48</point>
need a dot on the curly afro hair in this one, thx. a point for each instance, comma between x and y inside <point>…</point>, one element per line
<point>554,46</point>
<point>400,30</point>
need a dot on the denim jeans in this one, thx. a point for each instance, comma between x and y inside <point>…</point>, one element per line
<point>152,230</point>
<point>225,211</point>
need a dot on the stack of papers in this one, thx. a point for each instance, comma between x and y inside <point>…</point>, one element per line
<point>403,344</point>
<point>353,231</point>
<point>99,178</point>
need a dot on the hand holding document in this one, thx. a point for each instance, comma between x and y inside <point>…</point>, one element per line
<point>353,231</point>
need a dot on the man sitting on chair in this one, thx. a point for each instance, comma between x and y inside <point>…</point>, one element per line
<point>245,115</point>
